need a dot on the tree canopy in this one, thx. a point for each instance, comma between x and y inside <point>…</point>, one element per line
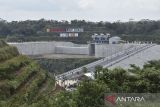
<point>90,93</point>
<point>34,30</point>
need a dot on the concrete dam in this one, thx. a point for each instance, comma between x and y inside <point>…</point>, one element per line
<point>41,48</point>
<point>114,55</point>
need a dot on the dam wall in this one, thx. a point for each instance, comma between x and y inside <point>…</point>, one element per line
<point>99,50</point>
<point>35,48</point>
<point>104,50</point>
<point>40,48</point>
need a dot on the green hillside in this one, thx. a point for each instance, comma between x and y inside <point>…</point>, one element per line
<point>22,82</point>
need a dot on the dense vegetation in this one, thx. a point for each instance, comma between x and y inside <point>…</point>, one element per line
<point>24,84</point>
<point>22,81</point>
<point>90,93</point>
<point>30,30</point>
<point>58,66</point>
<point>7,52</point>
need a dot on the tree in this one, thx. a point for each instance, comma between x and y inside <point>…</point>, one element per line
<point>91,94</point>
<point>98,69</point>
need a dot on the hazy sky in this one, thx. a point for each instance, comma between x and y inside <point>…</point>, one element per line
<point>93,10</point>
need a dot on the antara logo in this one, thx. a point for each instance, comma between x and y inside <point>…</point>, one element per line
<point>113,99</point>
<point>130,99</point>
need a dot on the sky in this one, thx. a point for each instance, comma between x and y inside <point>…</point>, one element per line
<point>90,10</point>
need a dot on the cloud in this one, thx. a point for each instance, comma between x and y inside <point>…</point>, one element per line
<point>95,10</point>
<point>86,4</point>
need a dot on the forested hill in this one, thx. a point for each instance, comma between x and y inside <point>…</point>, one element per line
<point>33,30</point>
<point>22,82</point>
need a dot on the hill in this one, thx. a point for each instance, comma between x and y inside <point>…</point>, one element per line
<point>22,81</point>
<point>35,30</point>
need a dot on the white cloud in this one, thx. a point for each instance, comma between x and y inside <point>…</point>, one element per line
<point>95,10</point>
<point>86,4</point>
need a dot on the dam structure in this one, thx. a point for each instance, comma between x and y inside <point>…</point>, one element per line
<point>69,48</point>
<point>111,55</point>
<point>41,48</point>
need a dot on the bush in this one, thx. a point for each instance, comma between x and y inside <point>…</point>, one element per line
<point>2,44</point>
<point>8,52</point>
<point>9,67</point>
<point>26,72</point>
